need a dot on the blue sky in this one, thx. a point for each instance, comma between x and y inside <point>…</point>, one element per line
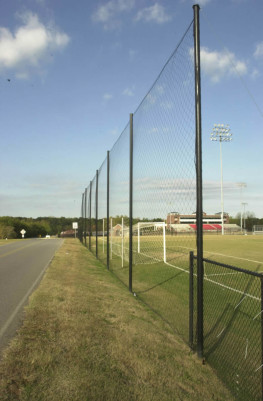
<point>71,72</point>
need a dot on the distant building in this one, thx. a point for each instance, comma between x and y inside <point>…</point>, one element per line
<point>68,233</point>
<point>177,218</point>
<point>117,230</point>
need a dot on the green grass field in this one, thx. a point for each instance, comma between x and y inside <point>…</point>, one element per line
<point>84,337</point>
<point>232,300</point>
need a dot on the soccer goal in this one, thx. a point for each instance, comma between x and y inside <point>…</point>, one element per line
<point>258,230</point>
<point>119,241</point>
<point>151,242</point>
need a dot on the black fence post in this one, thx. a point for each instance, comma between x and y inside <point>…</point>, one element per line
<point>82,217</point>
<point>261,283</point>
<point>131,202</point>
<point>191,298</point>
<point>85,217</point>
<point>90,225</point>
<point>97,178</point>
<point>108,208</point>
<point>199,194</point>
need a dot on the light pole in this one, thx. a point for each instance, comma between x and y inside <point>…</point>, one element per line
<point>241,185</point>
<point>221,133</point>
<point>244,206</point>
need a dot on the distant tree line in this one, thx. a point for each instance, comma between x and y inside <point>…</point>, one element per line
<point>10,227</point>
<point>248,220</point>
<point>91,223</point>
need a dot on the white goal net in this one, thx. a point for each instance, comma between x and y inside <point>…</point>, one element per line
<point>149,242</point>
<point>258,230</point>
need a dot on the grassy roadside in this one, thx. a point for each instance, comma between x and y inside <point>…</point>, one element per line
<point>9,241</point>
<point>85,337</point>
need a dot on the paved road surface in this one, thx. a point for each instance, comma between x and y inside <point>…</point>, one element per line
<point>22,265</point>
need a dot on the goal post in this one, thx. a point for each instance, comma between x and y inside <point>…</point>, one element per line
<point>119,234</point>
<point>151,229</point>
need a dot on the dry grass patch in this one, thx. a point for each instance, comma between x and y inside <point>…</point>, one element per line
<point>85,337</point>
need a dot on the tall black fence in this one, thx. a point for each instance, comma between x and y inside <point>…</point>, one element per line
<point>151,173</point>
<point>128,220</point>
<point>233,325</point>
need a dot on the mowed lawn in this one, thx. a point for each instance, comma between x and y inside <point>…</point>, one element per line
<point>232,318</point>
<point>245,251</point>
<point>85,337</point>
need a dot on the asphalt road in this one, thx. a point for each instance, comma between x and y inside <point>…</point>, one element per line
<point>22,265</point>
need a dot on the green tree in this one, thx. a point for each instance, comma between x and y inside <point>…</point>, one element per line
<point>7,232</point>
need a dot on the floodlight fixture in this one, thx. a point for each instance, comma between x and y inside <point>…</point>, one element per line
<point>221,133</point>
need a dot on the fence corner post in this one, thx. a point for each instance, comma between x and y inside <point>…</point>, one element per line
<point>108,208</point>
<point>199,185</point>
<point>97,183</point>
<point>131,203</point>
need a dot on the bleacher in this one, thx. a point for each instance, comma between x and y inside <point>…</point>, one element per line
<point>212,228</point>
<point>208,227</point>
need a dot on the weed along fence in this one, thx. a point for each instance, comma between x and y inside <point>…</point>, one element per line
<point>154,171</point>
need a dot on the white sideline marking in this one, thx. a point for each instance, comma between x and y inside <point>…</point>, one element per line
<point>234,257</point>
<point>233,289</point>
<point>246,349</point>
<point>258,368</point>
<point>205,278</point>
<point>240,302</point>
<point>257,315</point>
<point>222,254</point>
<point>221,274</point>
<point>221,332</point>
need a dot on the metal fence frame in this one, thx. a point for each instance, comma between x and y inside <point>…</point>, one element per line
<point>86,221</point>
<point>199,205</point>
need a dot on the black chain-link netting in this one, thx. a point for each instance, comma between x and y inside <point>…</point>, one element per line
<point>164,190</point>
<point>119,207</point>
<point>102,213</point>
<point>233,327</point>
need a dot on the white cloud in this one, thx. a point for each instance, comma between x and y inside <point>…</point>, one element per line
<point>29,45</point>
<point>202,2</point>
<point>155,13</point>
<point>108,13</point>
<point>107,96</point>
<point>114,132</point>
<point>259,50</point>
<point>128,92</point>
<point>218,65</point>
<point>255,74</point>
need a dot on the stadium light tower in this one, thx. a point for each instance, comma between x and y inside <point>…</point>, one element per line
<point>244,205</point>
<point>241,185</point>
<point>221,133</point>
